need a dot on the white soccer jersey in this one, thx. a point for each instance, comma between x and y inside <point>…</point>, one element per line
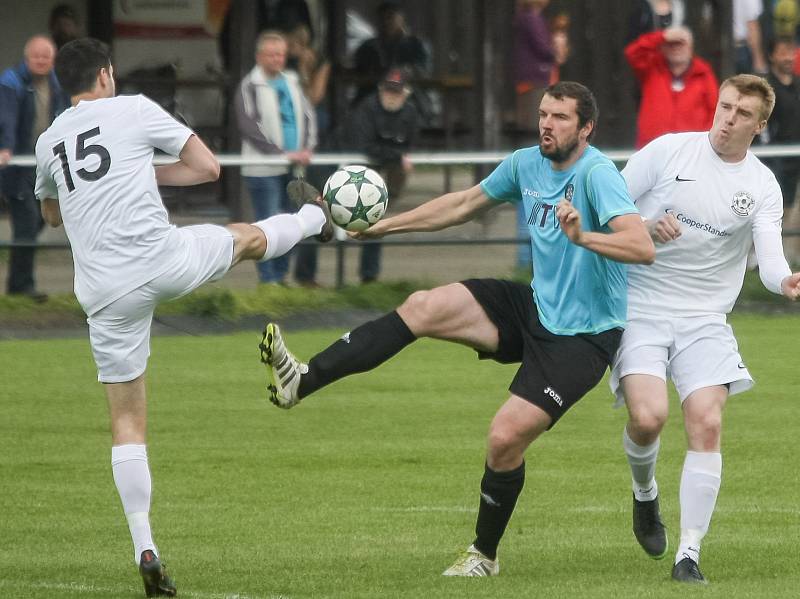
<point>721,208</point>
<point>97,160</point>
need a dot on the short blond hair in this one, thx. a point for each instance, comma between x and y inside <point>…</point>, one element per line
<point>270,35</point>
<point>753,85</point>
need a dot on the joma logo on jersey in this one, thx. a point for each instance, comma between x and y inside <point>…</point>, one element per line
<point>553,395</point>
<point>530,192</point>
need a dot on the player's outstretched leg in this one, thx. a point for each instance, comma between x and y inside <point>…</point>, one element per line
<point>301,192</point>
<point>284,231</point>
<point>283,369</point>
<point>157,582</point>
<point>473,563</point>
<point>360,350</point>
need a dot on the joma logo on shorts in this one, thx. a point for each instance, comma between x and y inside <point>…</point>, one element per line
<point>556,397</point>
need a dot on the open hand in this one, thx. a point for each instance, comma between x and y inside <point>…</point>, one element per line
<point>374,232</point>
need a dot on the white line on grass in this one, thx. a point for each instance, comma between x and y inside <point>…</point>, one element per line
<point>589,509</point>
<point>752,509</point>
<point>120,590</point>
<point>425,508</point>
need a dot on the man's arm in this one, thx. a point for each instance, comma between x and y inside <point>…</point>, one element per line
<point>628,242</point>
<point>445,211</point>
<point>197,164</point>
<point>754,43</point>
<point>51,212</point>
<point>9,108</point>
<point>773,270</point>
<point>643,52</point>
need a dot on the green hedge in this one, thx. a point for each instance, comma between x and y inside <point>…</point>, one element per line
<point>276,301</point>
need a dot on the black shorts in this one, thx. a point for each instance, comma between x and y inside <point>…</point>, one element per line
<point>556,370</point>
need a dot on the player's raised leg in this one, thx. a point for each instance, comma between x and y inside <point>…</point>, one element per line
<point>449,312</point>
<point>701,477</point>
<point>647,403</point>
<point>276,235</point>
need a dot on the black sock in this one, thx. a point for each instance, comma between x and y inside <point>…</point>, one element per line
<point>362,349</point>
<point>499,492</point>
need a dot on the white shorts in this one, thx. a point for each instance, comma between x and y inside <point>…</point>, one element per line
<point>695,352</point>
<point>120,332</point>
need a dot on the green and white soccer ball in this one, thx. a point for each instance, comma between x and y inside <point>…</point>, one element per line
<point>357,197</point>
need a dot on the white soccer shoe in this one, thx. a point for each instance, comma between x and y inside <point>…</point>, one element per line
<point>283,369</point>
<point>473,563</point>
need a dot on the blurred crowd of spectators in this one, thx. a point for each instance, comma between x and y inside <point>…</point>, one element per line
<point>281,104</point>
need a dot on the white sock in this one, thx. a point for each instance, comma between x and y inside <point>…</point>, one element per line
<point>642,460</point>
<point>700,481</point>
<point>312,219</point>
<point>132,477</point>
<point>284,231</point>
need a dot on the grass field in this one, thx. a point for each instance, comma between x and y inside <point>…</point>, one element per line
<point>369,489</point>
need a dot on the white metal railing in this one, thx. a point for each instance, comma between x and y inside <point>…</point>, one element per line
<point>420,158</point>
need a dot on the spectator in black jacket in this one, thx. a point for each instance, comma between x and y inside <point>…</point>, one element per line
<point>383,126</point>
<point>395,47</point>
<point>30,98</point>
<point>784,128</point>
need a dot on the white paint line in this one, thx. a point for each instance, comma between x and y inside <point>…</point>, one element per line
<point>121,590</point>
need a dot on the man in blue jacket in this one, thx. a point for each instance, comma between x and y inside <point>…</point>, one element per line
<point>30,98</point>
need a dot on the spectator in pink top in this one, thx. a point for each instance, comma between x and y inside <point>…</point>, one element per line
<point>533,59</point>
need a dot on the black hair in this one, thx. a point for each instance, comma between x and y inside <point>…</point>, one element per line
<point>781,39</point>
<point>78,62</point>
<point>62,11</point>
<point>586,104</point>
<point>385,9</point>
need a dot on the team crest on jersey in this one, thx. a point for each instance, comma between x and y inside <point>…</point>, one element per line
<point>569,192</point>
<point>743,203</point>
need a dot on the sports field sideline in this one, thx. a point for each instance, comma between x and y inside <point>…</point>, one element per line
<point>370,489</point>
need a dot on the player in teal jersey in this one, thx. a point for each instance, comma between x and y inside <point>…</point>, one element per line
<point>563,329</point>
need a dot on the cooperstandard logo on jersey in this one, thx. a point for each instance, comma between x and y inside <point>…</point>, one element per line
<point>691,222</point>
<point>743,203</point>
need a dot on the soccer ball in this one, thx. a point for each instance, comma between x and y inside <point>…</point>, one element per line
<point>357,197</point>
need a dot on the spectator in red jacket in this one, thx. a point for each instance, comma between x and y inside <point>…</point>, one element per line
<point>679,90</point>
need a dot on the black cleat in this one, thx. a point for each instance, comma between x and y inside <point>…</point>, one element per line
<point>648,528</point>
<point>687,571</point>
<point>301,192</point>
<point>154,575</point>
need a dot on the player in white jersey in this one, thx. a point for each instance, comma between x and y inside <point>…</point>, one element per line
<point>707,201</point>
<point>95,174</point>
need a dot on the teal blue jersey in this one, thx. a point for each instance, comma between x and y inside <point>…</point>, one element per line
<point>575,289</point>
